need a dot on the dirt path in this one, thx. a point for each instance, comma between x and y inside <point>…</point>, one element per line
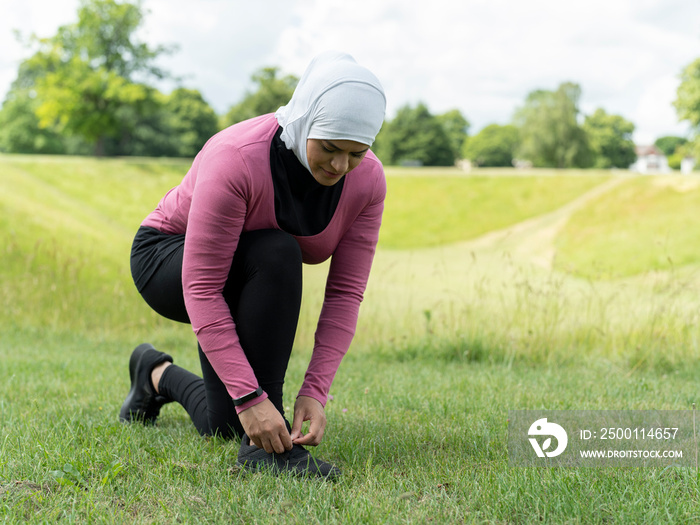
<point>533,239</point>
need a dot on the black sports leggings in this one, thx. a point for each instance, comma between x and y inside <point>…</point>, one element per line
<point>263,291</point>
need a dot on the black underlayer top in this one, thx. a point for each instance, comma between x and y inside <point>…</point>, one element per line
<point>302,206</point>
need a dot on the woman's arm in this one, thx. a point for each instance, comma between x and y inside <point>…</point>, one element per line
<point>347,280</point>
<point>217,214</point>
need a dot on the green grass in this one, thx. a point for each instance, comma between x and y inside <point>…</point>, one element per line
<point>410,452</point>
<point>452,335</point>
<point>66,227</point>
<point>646,224</point>
<point>424,210</point>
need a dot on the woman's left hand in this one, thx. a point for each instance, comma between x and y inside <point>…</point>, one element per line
<point>308,409</point>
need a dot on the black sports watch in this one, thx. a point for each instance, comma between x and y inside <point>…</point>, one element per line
<point>255,393</point>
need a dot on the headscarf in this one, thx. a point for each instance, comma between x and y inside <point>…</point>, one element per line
<point>336,99</point>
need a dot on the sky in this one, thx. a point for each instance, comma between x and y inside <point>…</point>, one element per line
<point>479,56</point>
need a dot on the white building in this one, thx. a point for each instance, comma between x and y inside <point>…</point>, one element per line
<point>650,159</point>
<point>687,165</point>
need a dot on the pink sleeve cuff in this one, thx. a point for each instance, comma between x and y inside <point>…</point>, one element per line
<point>321,398</point>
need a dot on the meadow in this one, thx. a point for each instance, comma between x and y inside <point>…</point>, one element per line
<point>491,291</point>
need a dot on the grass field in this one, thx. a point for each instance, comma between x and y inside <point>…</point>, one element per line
<point>490,292</point>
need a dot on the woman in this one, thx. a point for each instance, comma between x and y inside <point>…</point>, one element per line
<point>223,251</point>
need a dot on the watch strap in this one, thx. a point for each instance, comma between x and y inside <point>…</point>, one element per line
<point>244,399</point>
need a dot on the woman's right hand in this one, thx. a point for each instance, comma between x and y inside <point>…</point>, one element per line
<point>266,427</point>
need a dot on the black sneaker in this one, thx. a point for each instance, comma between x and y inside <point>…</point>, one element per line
<point>296,461</point>
<point>142,403</point>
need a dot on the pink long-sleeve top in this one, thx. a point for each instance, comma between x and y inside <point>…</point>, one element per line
<point>229,190</point>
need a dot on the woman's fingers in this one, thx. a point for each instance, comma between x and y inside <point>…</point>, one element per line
<point>308,409</point>
<point>266,427</point>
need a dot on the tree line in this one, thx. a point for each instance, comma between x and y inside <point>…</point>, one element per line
<point>88,90</point>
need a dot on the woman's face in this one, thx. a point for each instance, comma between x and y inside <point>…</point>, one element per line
<point>331,160</point>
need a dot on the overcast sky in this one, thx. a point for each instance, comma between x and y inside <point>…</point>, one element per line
<point>480,56</point>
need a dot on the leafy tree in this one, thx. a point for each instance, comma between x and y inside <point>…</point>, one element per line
<point>271,92</point>
<point>669,144</point>
<point>85,76</point>
<point>494,145</point>
<point>610,139</point>
<point>175,125</point>
<point>549,130</point>
<point>191,120</point>
<point>19,127</point>
<point>145,129</point>
<point>682,151</point>
<point>415,136</point>
<point>105,37</point>
<point>456,127</point>
<point>687,101</point>
<point>91,104</point>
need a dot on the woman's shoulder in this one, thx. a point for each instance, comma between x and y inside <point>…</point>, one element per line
<point>244,144</point>
<point>368,181</point>
<point>249,132</point>
<point>373,169</point>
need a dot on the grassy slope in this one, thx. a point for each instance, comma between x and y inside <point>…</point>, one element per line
<point>649,223</point>
<point>424,210</point>
<point>67,225</point>
<point>450,338</point>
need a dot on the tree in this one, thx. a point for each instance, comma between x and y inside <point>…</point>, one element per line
<point>687,102</point>
<point>681,152</point>
<point>271,92</point>
<point>610,139</point>
<point>456,128</point>
<point>19,127</point>
<point>669,144</point>
<point>675,149</point>
<point>105,37</point>
<point>91,104</point>
<point>89,84</point>
<point>191,120</point>
<point>494,145</point>
<point>415,136</point>
<point>549,130</point>
<point>145,130</point>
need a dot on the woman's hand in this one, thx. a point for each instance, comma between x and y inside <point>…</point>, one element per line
<point>308,409</point>
<point>266,427</point>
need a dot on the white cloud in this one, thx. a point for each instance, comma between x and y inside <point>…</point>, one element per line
<point>481,56</point>
<point>654,110</point>
<point>27,17</point>
<point>484,56</point>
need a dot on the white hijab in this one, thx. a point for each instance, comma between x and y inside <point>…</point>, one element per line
<point>336,99</point>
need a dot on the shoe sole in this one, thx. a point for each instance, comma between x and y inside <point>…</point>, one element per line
<point>278,464</point>
<point>248,467</point>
